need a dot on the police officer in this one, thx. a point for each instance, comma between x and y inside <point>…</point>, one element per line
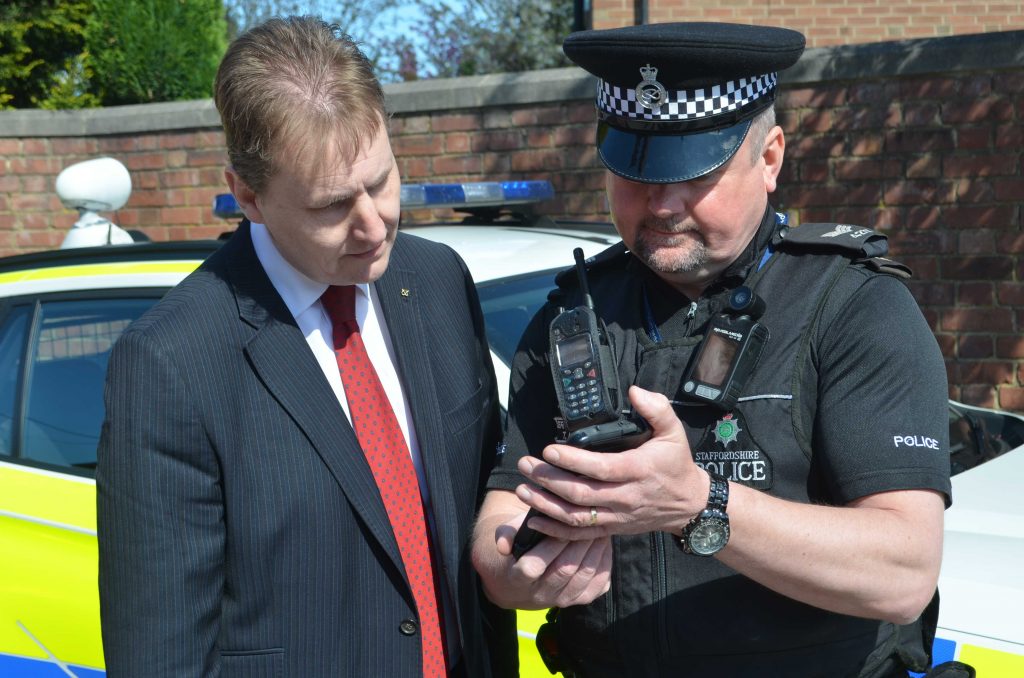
<point>792,527</point>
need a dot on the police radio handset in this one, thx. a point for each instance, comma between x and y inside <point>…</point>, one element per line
<point>586,386</point>
<point>729,352</point>
<point>581,362</point>
<point>594,411</point>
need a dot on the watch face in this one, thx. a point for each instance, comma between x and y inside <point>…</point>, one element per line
<point>709,536</point>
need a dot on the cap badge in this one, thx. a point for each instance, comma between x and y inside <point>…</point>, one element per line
<point>650,93</point>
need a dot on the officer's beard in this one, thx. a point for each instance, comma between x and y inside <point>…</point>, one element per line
<point>685,252</point>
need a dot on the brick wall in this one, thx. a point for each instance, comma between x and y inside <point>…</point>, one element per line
<point>174,179</point>
<point>830,22</point>
<point>921,139</point>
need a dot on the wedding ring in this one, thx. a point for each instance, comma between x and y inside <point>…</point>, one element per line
<point>593,516</point>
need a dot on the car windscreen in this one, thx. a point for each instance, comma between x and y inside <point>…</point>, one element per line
<point>509,304</point>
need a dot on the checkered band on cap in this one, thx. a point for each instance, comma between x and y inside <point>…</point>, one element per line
<point>686,105</point>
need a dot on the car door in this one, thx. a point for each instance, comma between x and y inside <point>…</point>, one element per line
<point>53,355</point>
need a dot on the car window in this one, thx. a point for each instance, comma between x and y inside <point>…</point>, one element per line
<point>61,387</point>
<point>508,305</point>
<point>978,435</point>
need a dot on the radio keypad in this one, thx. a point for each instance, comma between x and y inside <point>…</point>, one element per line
<point>582,392</point>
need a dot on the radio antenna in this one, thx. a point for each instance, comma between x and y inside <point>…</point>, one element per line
<point>581,273</point>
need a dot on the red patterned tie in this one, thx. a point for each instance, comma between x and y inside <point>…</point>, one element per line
<point>384,445</point>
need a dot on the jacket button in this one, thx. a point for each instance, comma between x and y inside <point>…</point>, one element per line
<point>407,627</point>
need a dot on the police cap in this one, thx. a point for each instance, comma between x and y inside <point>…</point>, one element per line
<point>675,100</point>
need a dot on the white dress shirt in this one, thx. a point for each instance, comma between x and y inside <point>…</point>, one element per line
<point>302,297</point>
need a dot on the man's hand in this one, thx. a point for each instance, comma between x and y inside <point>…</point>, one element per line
<point>554,573</point>
<point>589,495</point>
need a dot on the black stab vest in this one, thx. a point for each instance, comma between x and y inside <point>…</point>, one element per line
<point>673,614</point>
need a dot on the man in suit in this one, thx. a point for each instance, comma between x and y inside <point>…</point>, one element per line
<point>299,434</point>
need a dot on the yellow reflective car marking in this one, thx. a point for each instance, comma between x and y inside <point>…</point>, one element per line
<point>63,667</point>
<point>48,498</point>
<point>107,268</point>
<point>47,523</point>
<point>989,662</point>
<point>49,589</point>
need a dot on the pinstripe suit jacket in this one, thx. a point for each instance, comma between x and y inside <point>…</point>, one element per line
<point>240,529</point>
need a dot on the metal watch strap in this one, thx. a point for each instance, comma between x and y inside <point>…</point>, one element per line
<point>718,501</point>
<point>718,496</point>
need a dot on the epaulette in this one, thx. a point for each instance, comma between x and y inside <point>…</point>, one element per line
<point>887,266</point>
<point>854,241</point>
<point>602,260</point>
<point>864,246</point>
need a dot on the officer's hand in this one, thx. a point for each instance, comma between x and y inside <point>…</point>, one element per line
<point>655,487</point>
<point>554,573</point>
<point>559,573</point>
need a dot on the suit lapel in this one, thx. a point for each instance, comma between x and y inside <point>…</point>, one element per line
<point>281,359</point>
<point>405,302</point>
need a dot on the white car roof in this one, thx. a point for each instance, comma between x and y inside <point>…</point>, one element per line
<point>490,252</point>
<point>499,251</point>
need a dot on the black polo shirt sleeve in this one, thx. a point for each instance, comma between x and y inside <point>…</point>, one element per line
<point>881,421</point>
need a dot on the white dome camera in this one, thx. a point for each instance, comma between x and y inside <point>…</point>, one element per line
<point>96,185</point>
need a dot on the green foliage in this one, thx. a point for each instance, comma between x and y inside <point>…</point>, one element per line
<point>413,39</point>
<point>70,88</point>
<point>42,64</point>
<point>79,53</point>
<point>155,50</point>
<point>484,36</point>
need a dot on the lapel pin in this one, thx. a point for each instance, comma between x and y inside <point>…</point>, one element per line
<point>405,292</point>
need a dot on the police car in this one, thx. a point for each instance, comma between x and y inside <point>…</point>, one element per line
<point>61,311</point>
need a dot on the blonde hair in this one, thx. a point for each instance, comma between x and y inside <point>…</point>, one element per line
<point>293,85</point>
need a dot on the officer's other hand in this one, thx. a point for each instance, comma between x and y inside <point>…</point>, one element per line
<point>655,487</point>
<point>560,573</point>
<point>554,573</point>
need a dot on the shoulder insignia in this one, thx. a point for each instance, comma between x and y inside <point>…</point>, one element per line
<point>845,238</point>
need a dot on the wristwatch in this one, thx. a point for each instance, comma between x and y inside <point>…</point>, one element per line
<point>708,532</point>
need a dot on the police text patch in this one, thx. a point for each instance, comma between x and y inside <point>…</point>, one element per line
<point>730,450</point>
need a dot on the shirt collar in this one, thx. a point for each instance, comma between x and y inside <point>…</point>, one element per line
<point>298,291</point>
<point>742,265</point>
<point>666,300</point>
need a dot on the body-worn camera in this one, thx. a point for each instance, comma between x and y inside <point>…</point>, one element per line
<point>729,352</point>
<point>586,380</point>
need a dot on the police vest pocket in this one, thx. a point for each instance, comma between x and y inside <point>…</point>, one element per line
<point>267,663</point>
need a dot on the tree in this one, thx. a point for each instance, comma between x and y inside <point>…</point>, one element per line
<point>155,50</point>
<point>484,36</point>
<point>78,53</point>
<point>366,21</point>
<point>42,63</point>
<point>413,39</point>
<point>244,14</point>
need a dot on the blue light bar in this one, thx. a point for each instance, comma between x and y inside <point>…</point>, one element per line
<point>476,194</point>
<point>225,207</point>
<point>470,194</point>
